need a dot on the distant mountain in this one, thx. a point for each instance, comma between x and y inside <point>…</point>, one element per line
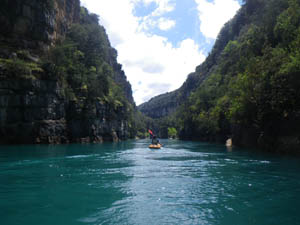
<point>166,104</point>
<point>248,88</point>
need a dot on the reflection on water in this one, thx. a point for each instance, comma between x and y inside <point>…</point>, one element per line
<point>127,183</point>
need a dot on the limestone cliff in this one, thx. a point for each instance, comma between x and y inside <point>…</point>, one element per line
<point>48,101</point>
<point>37,23</point>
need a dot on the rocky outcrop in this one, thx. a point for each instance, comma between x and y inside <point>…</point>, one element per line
<point>120,77</point>
<point>31,111</point>
<point>35,111</point>
<point>96,122</point>
<point>36,23</point>
<point>34,106</point>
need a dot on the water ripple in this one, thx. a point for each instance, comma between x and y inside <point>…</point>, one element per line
<point>126,183</point>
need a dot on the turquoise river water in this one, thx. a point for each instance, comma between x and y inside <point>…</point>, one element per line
<point>127,183</point>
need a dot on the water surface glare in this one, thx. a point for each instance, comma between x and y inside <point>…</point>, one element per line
<point>126,183</point>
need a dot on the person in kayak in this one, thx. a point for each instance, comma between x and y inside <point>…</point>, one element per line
<point>155,140</point>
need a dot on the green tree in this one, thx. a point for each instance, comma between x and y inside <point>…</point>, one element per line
<point>172,132</point>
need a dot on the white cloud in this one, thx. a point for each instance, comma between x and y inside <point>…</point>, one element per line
<point>213,15</point>
<point>152,64</point>
<point>155,19</point>
<point>115,16</point>
<point>163,6</point>
<point>148,22</point>
<point>152,59</point>
<point>166,24</point>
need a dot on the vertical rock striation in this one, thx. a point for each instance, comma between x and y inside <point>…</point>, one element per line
<point>34,107</point>
<point>37,23</point>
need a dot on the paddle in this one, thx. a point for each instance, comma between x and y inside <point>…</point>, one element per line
<point>150,131</point>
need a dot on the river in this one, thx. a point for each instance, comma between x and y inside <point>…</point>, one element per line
<point>127,183</point>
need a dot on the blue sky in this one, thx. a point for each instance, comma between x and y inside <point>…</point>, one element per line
<point>159,42</point>
<point>187,23</point>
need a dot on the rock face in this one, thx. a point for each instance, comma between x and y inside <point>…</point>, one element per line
<point>31,110</point>
<point>95,123</point>
<point>37,23</point>
<point>33,104</point>
<point>35,111</point>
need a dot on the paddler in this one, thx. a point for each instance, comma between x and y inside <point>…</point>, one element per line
<point>155,140</point>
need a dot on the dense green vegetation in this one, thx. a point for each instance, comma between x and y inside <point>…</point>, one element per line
<point>85,66</point>
<point>254,85</point>
<point>163,127</point>
<point>172,132</point>
<point>80,61</point>
<point>248,88</point>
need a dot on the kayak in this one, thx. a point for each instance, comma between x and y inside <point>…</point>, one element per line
<point>158,146</point>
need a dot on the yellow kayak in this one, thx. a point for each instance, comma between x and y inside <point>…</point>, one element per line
<point>158,146</point>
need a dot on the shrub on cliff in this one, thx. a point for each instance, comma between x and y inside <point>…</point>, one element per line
<point>253,82</point>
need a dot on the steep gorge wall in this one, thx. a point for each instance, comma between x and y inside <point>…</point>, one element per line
<point>34,107</point>
<point>31,111</point>
<point>36,23</point>
<point>247,89</point>
<point>35,111</point>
